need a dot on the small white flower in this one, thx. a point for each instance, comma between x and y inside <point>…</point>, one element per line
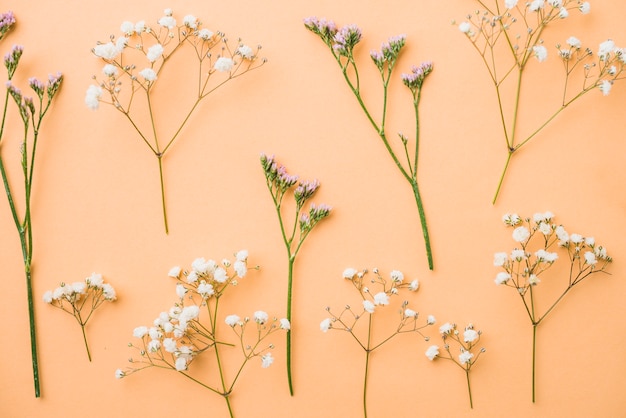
<point>511,219</point>
<point>368,306</point>
<point>349,273</point>
<point>245,51</point>
<point>205,289</point>
<point>155,333</point>
<point>167,22</point>
<point>431,320</point>
<point>502,277</point>
<point>521,234</point>
<point>154,52</point>
<point>267,360</point>
<point>121,42</point>
<point>535,5</point>
<point>381,298</point>
<point>590,258</point>
<point>432,352</point>
<point>284,324</point>
<point>109,70</point>
<point>108,292</point>
<point>79,287</point>
<point>181,290</point>
<point>470,335</point>
<point>169,344</point>
<point>590,241</point>
<point>576,238</point>
<point>139,332</point>
<point>499,259</point>
<point>260,317</point>
<point>127,28</point>
<point>574,42</point>
<point>47,297</point>
<point>533,280</point>
<point>585,8</point>
<point>563,13</point>
<point>205,34</point>
<point>518,255</point>
<point>605,87</point>
<point>154,345</point>
<point>541,53</point>
<point>232,320</point>
<point>140,26</point>
<point>188,313</point>
<point>446,328</point>
<point>562,235</point>
<point>119,373</point>
<point>220,275</point>
<point>240,268</point>
<point>224,64</point>
<point>95,280</point>
<point>92,98</point>
<point>190,21</point>
<point>605,49</point>
<point>200,265</point>
<point>545,228</point>
<point>181,364</point>
<point>465,357</point>
<point>410,313</point>
<point>465,27</point>
<point>241,255</point>
<point>107,51</point>
<point>414,285</point>
<point>148,74</point>
<point>548,257</point>
<point>192,277</point>
<point>509,4</point>
<point>396,276</point>
<point>325,325</point>
<point>174,272</point>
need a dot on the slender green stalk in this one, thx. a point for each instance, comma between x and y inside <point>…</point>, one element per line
<point>506,165</point>
<point>367,363</point>
<point>292,260</point>
<point>469,388</point>
<point>225,393</point>
<point>82,327</point>
<point>160,158</point>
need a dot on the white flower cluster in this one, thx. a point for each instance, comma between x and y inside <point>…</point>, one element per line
<point>79,291</point>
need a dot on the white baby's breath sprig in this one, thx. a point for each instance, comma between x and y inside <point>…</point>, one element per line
<point>375,293</point>
<point>81,299</point>
<point>540,244</point>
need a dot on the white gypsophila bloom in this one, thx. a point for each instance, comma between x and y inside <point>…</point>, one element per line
<point>465,357</point>
<point>168,327</point>
<point>169,344</point>
<point>205,34</point>
<point>79,287</point>
<point>205,289</point>
<point>119,373</point>
<point>139,332</point>
<point>470,335</point>
<point>226,262</point>
<point>446,328</point>
<point>148,74</point>
<point>548,257</point>
<point>325,325</point>
<point>541,53</point>
<point>189,312</point>
<point>154,345</point>
<point>192,277</point>
<point>107,51</point>
<point>600,252</point>
<point>613,70</point>
<point>585,8</point>
<point>432,352</point>
<point>267,360</point>
<point>154,52</point>
<point>190,21</point>
<point>605,49</point>
<point>224,64</point>
<point>502,277</point>
<point>168,11</point>
<point>465,27</point>
<point>58,293</point>
<point>92,97</point>
<point>220,275</point>
<point>349,273</point>
<point>200,265</point>
<point>605,87</point>
<point>368,306</point>
<point>509,4</point>
<point>556,3</point>
<point>499,259</point>
<point>232,320</point>
<point>576,238</point>
<point>430,320</point>
<point>590,241</point>
<point>167,22</point>
<point>590,258</point>
<point>109,70</point>
<point>545,217</point>
<point>521,234</point>
<point>562,235</point>
<point>155,333</point>
<point>414,285</point>
<point>285,324</point>
<point>181,364</point>
<point>381,298</point>
<point>563,13</point>
<point>535,5</point>
<point>121,43</point>
<point>245,51</point>
<point>174,272</point>
<point>94,280</point>
<point>260,317</point>
<point>410,313</point>
<point>47,296</point>
<point>511,219</point>
<point>140,26</point>
<point>127,28</point>
<point>174,312</point>
<point>518,255</point>
<point>396,276</point>
<point>545,228</point>
<point>574,42</point>
<point>181,290</point>
<point>241,255</point>
<point>533,280</point>
<point>240,268</point>
<point>108,292</point>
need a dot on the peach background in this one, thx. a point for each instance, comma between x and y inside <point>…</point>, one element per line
<point>96,208</point>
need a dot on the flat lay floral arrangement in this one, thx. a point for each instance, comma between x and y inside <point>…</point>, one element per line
<point>281,318</point>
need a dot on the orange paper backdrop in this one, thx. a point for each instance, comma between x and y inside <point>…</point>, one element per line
<point>96,207</point>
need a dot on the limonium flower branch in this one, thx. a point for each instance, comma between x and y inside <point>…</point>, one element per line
<point>341,43</point>
<point>279,183</point>
<point>193,326</point>
<point>136,60</point>
<point>78,297</point>
<point>31,111</point>
<point>519,26</point>
<point>375,293</point>
<point>466,342</point>
<point>522,268</point>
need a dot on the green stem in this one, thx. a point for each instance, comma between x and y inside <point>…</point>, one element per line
<point>367,363</point>
<point>224,393</point>
<point>422,215</point>
<point>82,326</point>
<point>33,336</point>
<point>469,388</point>
<point>292,260</point>
<point>160,157</point>
<point>508,160</point>
<point>534,357</point>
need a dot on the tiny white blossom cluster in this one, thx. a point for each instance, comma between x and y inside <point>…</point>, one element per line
<point>523,265</point>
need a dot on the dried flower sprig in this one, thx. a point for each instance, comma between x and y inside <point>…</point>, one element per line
<point>279,183</point>
<point>375,294</point>
<point>78,297</point>
<point>136,60</point>
<point>523,266</point>
<point>519,27</point>
<point>466,342</point>
<point>32,112</point>
<point>341,43</point>
<point>181,334</point>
